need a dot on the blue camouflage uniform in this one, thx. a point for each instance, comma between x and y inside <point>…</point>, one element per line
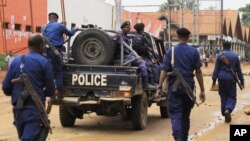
<point>227,84</point>
<point>54,32</point>
<point>140,46</point>
<point>129,56</point>
<point>186,60</point>
<point>27,119</point>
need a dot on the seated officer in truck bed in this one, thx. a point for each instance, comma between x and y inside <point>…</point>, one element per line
<point>141,63</point>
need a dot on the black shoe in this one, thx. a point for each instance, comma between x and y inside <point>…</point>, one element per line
<point>149,86</point>
<point>178,139</point>
<point>151,81</point>
<point>146,84</point>
<point>227,115</point>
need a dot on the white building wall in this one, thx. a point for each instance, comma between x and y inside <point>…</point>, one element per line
<point>83,12</point>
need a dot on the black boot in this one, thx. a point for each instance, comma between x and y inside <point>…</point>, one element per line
<point>151,81</point>
<point>146,85</point>
<point>227,115</point>
<point>178,139</point>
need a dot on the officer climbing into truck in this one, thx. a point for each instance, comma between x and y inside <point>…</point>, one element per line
<point>54,32</point>
<point>129,54</point>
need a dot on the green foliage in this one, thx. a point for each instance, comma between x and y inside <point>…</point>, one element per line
<point>2,61</point>
<point>245,19</point>
<point>163,7</point>
<point>188,4</point>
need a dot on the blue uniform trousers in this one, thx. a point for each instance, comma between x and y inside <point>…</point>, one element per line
<point>227,92</point>
<point>56,62</point>
<point>155,69</point>
<point>180,107</point>
<point>28,123</point>
<point>142,64</point>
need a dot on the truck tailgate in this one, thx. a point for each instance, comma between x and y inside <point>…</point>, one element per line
<point>99,77</point>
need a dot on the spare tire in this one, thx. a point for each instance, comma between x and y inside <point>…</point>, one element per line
<point>93,47</point>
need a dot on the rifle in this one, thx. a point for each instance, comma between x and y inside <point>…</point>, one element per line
<point>53,48</point>
<point>225,61</point>
<point>181,80</point>
<point>152,54</point>
<point>30,91</point>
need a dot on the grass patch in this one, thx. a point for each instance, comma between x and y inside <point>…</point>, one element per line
<point>3,63</point>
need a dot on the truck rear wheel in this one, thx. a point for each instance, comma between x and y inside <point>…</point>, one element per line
<point>93,47</point>
<point>139,112</point>
<point>66,118</point>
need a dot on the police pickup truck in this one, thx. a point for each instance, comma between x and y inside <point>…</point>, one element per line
<point>94,82</point>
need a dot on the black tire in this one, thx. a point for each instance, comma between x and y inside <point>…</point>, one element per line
<point>66,119</point>
<point>139,112</point>
<point>93,47</point>
<point>164,112</point>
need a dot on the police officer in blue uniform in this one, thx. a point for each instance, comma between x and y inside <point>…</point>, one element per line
<point>227,84</point>
<point>54,31</point>
<point>141,63</point>
<point>141,46</point>
<point>125,27</point>
<point>27,119</point>
<point>187,60</point>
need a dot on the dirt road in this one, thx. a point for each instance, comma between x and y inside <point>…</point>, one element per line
<point>206,122</point>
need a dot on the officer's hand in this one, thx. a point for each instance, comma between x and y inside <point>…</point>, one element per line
<point>64,23</point>
<point>158,92</point>
<point>76,28</point>
<point>202,96</point>
<point>154,61</point>
<point>150,49</point>
<point>139,57</point>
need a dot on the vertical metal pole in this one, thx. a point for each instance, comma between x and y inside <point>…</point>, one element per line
<point>193,34</point>
<point>169,26</point>
<point>113,17</point>
<point>221,22</point>
<point>181,13</point>
<point>63,12</point>
<point>118,10</point>
<point>31,17</point>
<point>198,22</point>
<point>2,17</point>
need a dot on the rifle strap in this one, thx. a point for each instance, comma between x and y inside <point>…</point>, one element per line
<point>23,96</point>
<point>172,58</point>
<point>22,63</point>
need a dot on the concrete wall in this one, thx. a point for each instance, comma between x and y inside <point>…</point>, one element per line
<point>85,12</point>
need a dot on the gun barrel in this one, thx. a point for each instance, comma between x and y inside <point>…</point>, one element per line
<point>17,80</point>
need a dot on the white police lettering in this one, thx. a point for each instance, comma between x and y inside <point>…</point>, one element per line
<point>89,79</point>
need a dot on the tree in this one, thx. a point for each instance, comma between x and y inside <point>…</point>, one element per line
<point>245,17</point>
<point>163,7</point>
<point>186,3</point>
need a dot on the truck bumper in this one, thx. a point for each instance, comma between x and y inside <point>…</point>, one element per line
<point>75,101</point>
